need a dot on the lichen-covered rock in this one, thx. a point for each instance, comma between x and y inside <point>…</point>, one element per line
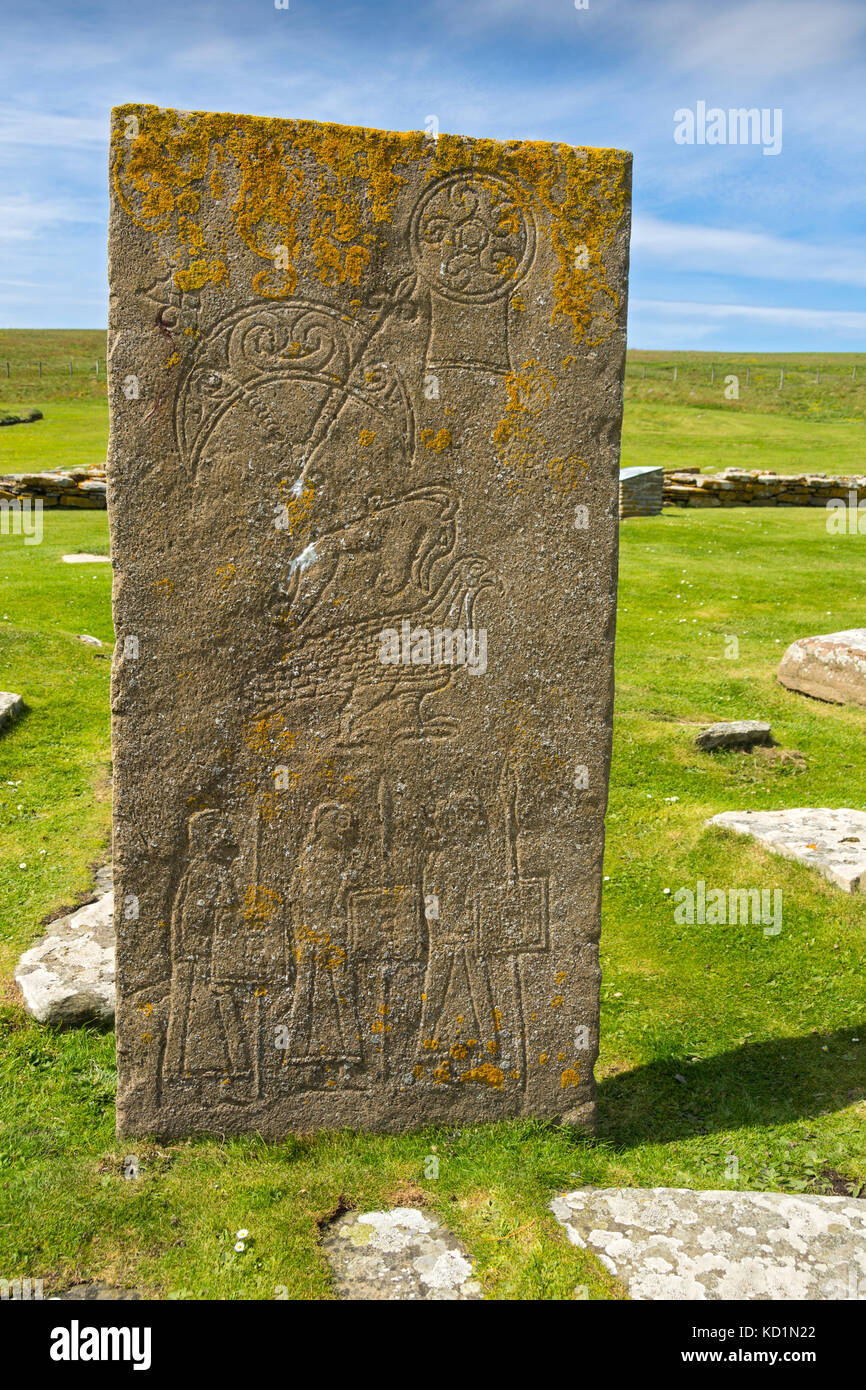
<point>671,1243</point>
<point>831,667</point>
<point>403,1253</point>
<point>68,976</point>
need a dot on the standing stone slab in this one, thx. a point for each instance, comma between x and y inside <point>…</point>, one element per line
<point>366,393</point>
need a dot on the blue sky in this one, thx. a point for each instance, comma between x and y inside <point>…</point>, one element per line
<point>733,249</point>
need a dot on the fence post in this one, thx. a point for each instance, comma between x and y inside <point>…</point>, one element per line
<point>712,374</point>
<point>748,376</point>
<point>7,368</point>
<point>644,371</point>
<point>675,373</point>
<point>70,369</point>
<point>781,378</point>
<point>40,370</point>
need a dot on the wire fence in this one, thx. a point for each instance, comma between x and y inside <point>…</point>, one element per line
<point>39,370</point>
<point>746,376</point>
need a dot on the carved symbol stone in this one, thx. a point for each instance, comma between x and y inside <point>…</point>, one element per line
<point>470,239</point>
<point>374,647</point>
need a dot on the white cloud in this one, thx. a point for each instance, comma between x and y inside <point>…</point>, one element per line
<point>22,217</point>
<point>22,127</point>
<point>756,255</point>
<point>744,38</point>
<point>764,39</point>
<point>839,321</point>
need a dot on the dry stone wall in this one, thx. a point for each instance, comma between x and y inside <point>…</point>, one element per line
<point>740,487</point>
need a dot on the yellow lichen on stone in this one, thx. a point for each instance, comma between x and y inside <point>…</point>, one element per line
<point>260,904</point>
<point>297,508</point>
<point>336,182</point>
<point>487,1074</point>
<point>437,440</point>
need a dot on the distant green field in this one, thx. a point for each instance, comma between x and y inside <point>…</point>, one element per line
<point>810,422</point>
<point>74,431</point>
<point>795,412</point>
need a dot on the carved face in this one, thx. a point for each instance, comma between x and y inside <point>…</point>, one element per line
<point>336,827</point>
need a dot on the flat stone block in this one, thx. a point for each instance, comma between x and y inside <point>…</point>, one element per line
<point>831,841</point>
<point>738,733</point>
<point>669,1243</point>
<point>401,1254</point>
<point>68,977</point>
<point>11,707</point>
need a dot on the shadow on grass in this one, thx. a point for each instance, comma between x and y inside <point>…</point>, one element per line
<point>762,1083</point>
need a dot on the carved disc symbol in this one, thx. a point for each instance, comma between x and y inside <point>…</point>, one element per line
<point>470,239</point>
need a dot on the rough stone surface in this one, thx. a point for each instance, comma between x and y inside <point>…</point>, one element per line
<point>363,491</point>
<point>671,1243</point>
<point>11,706</point>
<point>832,667</point>
<point>68,976</point>
<point>831,841</point>
<point>737,733</point>
<point>399,1254</point>
<point>742,487</point>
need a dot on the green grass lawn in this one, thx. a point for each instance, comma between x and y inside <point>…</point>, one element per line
<point>74,431</point>
<point>760,1028</point>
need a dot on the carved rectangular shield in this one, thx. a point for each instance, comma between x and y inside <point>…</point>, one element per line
<point>365,395</point>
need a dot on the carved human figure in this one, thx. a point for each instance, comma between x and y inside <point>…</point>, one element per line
<point>458,1022</point>
<point>205,1035</point>
<point>324,1020</point>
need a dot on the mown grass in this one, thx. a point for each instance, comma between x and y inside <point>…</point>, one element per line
<point>760,1029</point>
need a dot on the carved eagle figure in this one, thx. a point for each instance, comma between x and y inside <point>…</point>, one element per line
<point>396,565</point>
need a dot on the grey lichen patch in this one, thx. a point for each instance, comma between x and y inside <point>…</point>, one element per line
<point>670,1243</point>
<point>403,1253</point>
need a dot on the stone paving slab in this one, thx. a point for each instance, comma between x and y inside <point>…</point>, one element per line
<point>833,841</point>
<point>68,976</point>
<point>667,1243</point>
<point>402,1254</point>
